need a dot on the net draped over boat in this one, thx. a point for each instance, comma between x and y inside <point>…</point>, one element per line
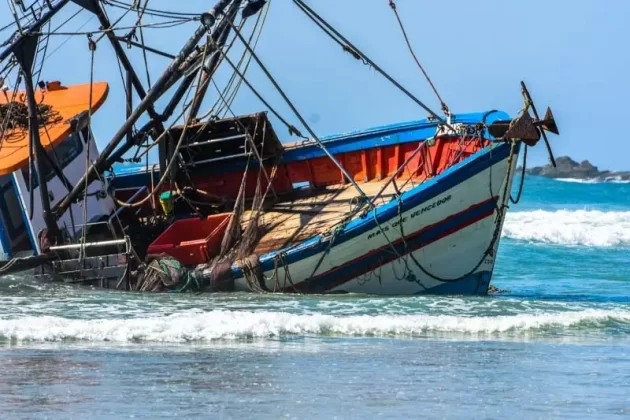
<point>14,116</point>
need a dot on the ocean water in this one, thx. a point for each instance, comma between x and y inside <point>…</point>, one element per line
<point>556,344</point>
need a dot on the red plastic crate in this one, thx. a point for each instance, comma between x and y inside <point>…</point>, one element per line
<point>192,241</point>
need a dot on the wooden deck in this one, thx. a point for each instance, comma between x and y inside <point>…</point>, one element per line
<point>310,212</point>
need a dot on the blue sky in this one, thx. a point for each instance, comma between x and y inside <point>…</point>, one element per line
<point>573,55</point>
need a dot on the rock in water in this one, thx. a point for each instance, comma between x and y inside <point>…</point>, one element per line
<point>569,168</point>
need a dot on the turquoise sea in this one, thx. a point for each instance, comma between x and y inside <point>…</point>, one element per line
<point>556,344</point>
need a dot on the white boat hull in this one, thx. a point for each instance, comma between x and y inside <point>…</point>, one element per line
<point>449,247</point>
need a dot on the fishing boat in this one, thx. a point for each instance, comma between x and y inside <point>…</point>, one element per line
<point>407,208</point>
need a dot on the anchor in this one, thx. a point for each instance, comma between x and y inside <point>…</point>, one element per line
<point>526,128</point>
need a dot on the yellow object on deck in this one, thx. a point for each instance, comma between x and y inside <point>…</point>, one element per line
<point>166,201</point>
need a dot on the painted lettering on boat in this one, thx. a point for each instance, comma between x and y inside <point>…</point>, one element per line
<point>378,232</point>
<point>416,213</point>
<point>431,206</point>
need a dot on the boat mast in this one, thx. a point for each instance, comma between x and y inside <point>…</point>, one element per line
<point>25,56</point>
<point>174,71</point>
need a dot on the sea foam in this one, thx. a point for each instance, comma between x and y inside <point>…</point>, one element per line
<point>609,180</point>
<point>239,325</point>
<point>565,227</point>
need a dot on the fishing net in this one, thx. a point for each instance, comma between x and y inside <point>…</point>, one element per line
<point>166,274</point>
<point>14,115</point>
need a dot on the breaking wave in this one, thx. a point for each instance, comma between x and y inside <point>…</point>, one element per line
<point>609,180</point>
<point>564,227</point>
<point>229,325</point>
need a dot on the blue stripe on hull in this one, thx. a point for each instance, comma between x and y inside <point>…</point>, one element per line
<point>410,199</point>
<point>474,284</point>
<point>134,175</point>
<point>377,258</point>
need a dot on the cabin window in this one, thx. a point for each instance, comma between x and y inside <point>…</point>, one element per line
<point>64,153</point>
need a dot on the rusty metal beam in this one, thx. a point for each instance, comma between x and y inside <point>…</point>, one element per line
<point>173,71</point>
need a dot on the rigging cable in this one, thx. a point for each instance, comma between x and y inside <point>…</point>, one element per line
<point>186,106</point>
<point>15,16</point>
<point>250,140</point>
<point>144,50</point>
<point>205,69</point>
<point>413,54</point>
<point>148,11</point>
<point>44,50</point>
<point>522,182</point>
<point>232,96</point>
<point>233,76</point>
<point>298,115</point>
<point>69,38</point>
<point>167,171</point>
<point>7,26</point>
<point>159,25</point>
<point>292,129</point>
<point>348,46</point>
<point>68,20</point>
<point>112,26</point>
<point>92,47</point>
<point>501,211</point>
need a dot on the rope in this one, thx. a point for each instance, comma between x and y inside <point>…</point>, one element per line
<point>408,274</point>
<point>292,129</point>
<point>7,117</point>
<point>413,54</point>
<point>92,47</point>
<point>144,55</point>
<point>372,204</point>
<point>8,265</point>
<point>251,141</point>
<point>200,131</point>
<point>280,257</point>
<point>156,142</point>
<point>233,229</point>
<point>112,26</point>
<point>250,267</point>
<point>164,176</point>
<point>522,183</point>
<point>495,235</point>
<point>15,115</point>
<point>297,113</point>
<point>344,46</point>
<point>165,24</point>
<point>37,74</point>
<point>260,19</point>
<point>232,77</point>
<point>151,12</point>
<point>88,20</point>
<point>311,14</point>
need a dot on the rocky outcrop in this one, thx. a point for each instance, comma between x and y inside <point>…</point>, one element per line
<point>568,168</point>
